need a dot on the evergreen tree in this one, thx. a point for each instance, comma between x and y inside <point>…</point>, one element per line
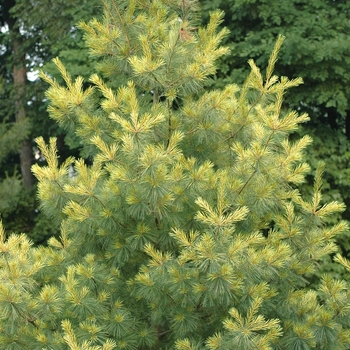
<point>319,29</point>
<point>316,48</point>
<point>187,231</point>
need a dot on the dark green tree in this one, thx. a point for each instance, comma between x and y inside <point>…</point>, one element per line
<point>28,40</point>
<point>11,136</point>
<point>187,230</point>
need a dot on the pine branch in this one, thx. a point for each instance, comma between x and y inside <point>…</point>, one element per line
<point>121,21</point>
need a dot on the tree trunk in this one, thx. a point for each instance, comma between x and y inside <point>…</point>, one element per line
<point>347,124</point>
<point>332,117</point>
<point>19,85</point>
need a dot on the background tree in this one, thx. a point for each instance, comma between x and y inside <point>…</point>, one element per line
<point>28,40</point>
<point>187,230</point>
<point>11,136</point>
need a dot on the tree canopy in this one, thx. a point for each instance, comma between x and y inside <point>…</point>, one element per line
<point>186,229</point>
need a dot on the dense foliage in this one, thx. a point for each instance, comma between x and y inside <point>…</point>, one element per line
<point>318,29</point>
<point>317,49</point>
<point>186,230</point>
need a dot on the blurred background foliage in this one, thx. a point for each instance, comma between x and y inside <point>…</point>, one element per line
<point>32,33</point>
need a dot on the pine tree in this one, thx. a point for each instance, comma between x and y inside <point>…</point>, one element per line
<point>185,228</point>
